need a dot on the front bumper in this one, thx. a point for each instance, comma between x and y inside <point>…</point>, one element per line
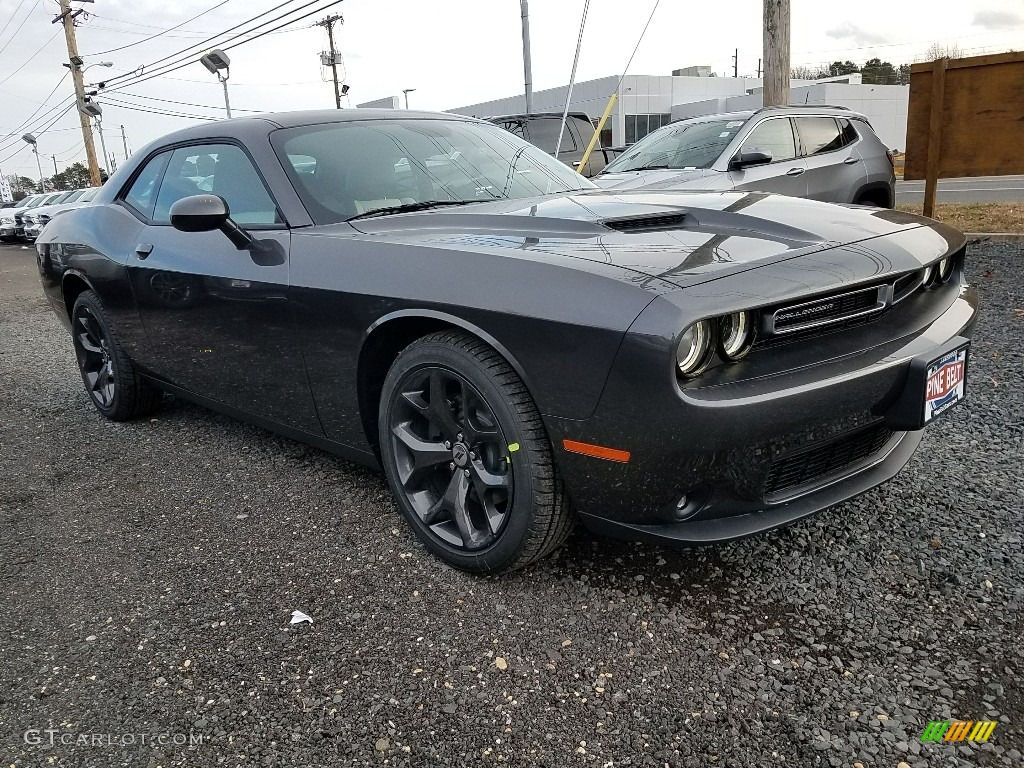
<point>11,230</point>
<point>32,231</point>
<point>706,461</point>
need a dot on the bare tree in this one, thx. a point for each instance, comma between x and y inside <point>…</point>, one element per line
<point>938,51</point>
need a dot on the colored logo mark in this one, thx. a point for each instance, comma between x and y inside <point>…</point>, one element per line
<point>958,730</point>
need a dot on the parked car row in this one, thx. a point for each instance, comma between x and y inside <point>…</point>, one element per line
<point>821,153</point>
<point>25,219</point>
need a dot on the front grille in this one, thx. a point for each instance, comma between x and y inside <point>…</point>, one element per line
<point>826,310</point>
<point>820,461</point>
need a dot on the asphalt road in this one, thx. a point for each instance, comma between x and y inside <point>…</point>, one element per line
<point>981,189</point>
<point>148,571</point>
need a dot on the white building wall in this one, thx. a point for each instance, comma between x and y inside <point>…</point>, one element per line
<point>884,105</point>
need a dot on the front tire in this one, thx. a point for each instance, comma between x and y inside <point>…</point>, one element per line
<point>111,381</point>
<point>467,456</point>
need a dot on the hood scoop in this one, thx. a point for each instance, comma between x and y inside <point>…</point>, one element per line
<point>646,222</point>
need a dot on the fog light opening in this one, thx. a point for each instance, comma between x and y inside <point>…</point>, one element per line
<point>690,504</point>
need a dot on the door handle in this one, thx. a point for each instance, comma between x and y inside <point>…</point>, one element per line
<point>794,171</point>
<point>851,160</point>
<point>142,250</point>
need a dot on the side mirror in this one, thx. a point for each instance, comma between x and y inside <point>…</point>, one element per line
<point>205,213</point>
<point>751,157</point>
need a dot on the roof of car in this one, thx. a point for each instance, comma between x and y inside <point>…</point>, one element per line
<point>263,123</point>
<point>525,115</point>
<point>746,114</point>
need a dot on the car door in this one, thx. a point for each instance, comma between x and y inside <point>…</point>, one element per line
<point>785,173</point>
<point>216,318</point>
<point>834,169</point>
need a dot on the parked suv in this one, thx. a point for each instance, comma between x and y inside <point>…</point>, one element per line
<point>541,130</point>
<point>823,153</point>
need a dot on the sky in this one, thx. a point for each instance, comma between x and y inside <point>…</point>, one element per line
<point>453,52</point>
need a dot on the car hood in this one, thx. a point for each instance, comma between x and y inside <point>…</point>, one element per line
<point>682,238</point>
<point>665,178</point>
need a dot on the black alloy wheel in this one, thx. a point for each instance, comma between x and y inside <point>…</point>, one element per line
<point>467,456</point>
<point>110,378</point>
<point>451,458</point>
<point>93,350</point>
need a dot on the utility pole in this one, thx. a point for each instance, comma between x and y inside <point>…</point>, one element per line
<point>55,171</point>
<point>736,63</point>
<point>524,8</point>
<point>328,24</point>
<point>124,141</point>
<point>67,17</point>
<point>776,53</point>
<point>759,69</point>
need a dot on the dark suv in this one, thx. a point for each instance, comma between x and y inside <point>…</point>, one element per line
<point>824,153</point>
<point>541,130</point>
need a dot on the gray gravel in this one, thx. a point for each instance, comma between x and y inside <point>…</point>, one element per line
<point>149,570</point>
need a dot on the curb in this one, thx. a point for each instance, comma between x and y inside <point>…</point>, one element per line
<point>1001,237</point>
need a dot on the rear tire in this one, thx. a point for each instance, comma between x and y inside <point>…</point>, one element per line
<point>111,380</point>
<point>467,456</point>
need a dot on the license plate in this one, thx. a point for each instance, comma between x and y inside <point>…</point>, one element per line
<point>945,383</point>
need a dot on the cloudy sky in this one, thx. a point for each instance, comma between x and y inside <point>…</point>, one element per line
<point>453,52</point>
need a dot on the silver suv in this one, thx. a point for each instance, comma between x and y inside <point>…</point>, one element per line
<point>824,153</point>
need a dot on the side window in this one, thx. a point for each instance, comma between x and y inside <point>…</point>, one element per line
<point>219,169</point>
<point>819,134</point>
<point>847,131</point>
<point>775,136</point>
<point>544,134</point>
<point>142,193</point>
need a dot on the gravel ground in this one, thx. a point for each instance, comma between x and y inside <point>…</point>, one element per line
<point>149,571</point>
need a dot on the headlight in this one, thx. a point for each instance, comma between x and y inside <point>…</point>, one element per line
<point>736,335</point>
<point>945,268</point>
<point>694,351</point>
<point>929,273</point>
<point>7,221</point>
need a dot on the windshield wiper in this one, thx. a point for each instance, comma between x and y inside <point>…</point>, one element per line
<point>407,207</point>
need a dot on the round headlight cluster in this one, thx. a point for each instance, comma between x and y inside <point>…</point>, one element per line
<point>939,272</point>
<point>736,335</point>
<point>694,351</point>
<point>732,335</point>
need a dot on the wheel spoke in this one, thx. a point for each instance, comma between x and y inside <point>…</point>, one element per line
<point>486,479</point>
<point>88,345</point>
<point>456,498</point>
<point>426,454</point>
<point>440,409</point>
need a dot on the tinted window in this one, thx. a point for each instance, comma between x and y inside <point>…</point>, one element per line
<point>681,145</point>
<point>142,193</point>
<point>819,134</point>
<point>847,131</point>
<point>544,134</point>
<point>774,136</point>
<point>219,169</point>
<point>343,169</point>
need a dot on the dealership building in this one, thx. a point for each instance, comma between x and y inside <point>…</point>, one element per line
<point>646,102</point>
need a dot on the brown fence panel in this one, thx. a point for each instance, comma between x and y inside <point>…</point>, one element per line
<point>978,128</point>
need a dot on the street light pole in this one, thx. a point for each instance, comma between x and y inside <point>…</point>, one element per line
<point>29,139</point>
<point>103,144</point>
<point>406,92</point>
<point>524,9</point>
<point>215,61</point>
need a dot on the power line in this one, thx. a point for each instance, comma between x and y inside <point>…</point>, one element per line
<point>38,134</point>
<point>11,17</point>
<point>15,34</point>
<point>134,107</point>
<point>173,67</point>
<point>187,51</point>
<point>158,34</point>
<point>122,94</point>
<point>38,51</point>
<point>41,105</point>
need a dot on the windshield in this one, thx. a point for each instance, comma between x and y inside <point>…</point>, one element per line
<point>347,169</point>
<point>683,145</point>
<point>88,194</point>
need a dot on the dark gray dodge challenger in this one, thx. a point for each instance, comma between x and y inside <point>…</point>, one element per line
<point>516,348</point>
